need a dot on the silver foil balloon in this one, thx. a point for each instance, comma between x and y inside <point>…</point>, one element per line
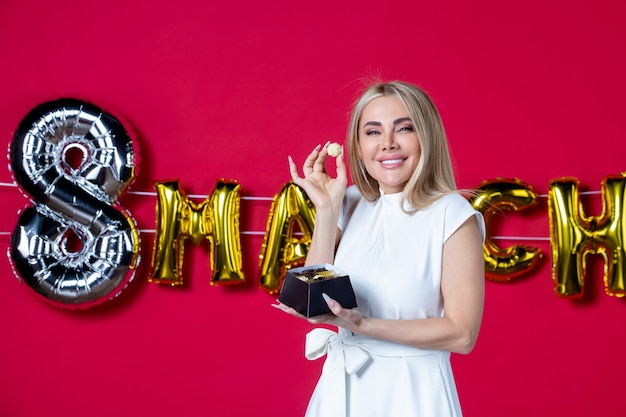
<point>76,246</point>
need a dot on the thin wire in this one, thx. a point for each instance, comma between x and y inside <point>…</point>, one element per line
<point>533,238</point>
<point>580,193</point>
<point>154,194</point>
<point>261,233</point>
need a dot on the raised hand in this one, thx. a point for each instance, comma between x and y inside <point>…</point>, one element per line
<point>323,190</point>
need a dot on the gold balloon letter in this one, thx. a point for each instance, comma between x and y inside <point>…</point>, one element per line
<point>511,194</point>
<point>216,219</point>
<point>280,250</point>
<point>573,236</point>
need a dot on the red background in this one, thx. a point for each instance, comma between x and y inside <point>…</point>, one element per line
<point>529,89</point>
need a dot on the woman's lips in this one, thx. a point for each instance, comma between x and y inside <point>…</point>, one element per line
<point>391,162</point>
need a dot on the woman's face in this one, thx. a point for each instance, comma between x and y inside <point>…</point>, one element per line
<point>388,143</point>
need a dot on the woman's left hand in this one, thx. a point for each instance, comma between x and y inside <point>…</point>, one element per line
<point>349,319</point>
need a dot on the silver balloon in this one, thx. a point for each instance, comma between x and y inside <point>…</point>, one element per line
<point>76,246</point>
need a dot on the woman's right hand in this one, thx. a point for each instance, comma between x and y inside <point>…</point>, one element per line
<point>323,190</point>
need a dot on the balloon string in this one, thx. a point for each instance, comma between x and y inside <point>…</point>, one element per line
<point>243,232</point>
<point>154,194</point>
<point>520,237</point>
<point>580,192</point>
<point>260,233</point>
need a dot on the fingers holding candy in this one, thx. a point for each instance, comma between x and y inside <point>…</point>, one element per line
<point>316,160</point>
<point>322,188</point>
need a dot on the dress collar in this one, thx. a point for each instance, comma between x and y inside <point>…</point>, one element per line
<point>393,200</point>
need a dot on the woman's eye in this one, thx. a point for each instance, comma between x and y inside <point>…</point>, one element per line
<point>405,129</point>
<point>371,132</point>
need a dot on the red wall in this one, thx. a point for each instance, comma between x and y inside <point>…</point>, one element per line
<point>531,89</point>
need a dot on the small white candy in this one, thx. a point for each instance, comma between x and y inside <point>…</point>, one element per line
<point>334,149</point>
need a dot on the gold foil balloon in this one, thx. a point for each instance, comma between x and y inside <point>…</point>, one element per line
<point>216,219</point>
<point>573,236</point>
<point>281,250</point>
<point>509,194</point>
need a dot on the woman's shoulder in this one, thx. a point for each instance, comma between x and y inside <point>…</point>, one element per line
<point>352,196</point>
<point>452,200</point>
<point>455,209</point>
<point>351,200</point>
<point>352,190</point>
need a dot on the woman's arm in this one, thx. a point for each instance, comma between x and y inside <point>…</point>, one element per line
<point>324,240</point>
<point>462,286</point>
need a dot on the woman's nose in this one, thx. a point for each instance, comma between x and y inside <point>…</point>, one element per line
<point>389,141</point>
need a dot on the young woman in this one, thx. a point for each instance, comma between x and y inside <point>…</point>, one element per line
<point>412,246</point>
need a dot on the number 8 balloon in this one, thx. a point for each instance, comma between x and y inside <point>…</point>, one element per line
<point>76,246</point>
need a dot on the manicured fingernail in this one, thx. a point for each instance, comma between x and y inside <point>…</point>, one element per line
<point>289,159</point>
<point>317,148</point>
<point>326,144</point>
<point>328,300</point>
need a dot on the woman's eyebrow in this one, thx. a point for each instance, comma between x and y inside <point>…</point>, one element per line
<point>401,120</point>
<point>372,124</point>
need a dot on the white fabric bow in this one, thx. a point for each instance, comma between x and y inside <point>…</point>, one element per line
<point>342,358</point>
<point>320,342</point>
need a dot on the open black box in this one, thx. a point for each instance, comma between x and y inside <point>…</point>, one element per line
<point>306,296</point>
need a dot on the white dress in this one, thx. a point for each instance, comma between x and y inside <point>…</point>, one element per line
<point>394,262</point>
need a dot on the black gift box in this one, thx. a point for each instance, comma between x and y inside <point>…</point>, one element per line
<point>306,296</point>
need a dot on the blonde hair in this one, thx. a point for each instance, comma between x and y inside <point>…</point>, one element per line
<point>434,175</point>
